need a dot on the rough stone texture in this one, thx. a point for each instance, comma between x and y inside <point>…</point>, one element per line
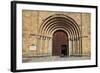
<point>32,20</point>
<point>86,40</point>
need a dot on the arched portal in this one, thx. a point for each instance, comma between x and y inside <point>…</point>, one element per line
<point>60,43</point>
<point>69,26</point>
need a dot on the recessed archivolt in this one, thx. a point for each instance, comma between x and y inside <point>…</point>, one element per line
<point>60,28</point>
<point>54,24</point>
<point>62,25</point>
<point>57,20</point>
<point>60,21</point>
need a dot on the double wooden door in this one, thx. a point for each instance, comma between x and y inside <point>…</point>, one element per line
<point>60,43</point>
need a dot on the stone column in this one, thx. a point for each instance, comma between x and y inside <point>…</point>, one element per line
<point>50,46</point>
<point>73,49</point>
<point>39,45</point>
<point>43,45</point>
<point>46,45</point>
<point>70,47</point>
<point>76,49</point>
<point>78,46</point>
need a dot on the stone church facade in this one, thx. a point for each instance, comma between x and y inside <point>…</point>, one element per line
<point>49,33</point>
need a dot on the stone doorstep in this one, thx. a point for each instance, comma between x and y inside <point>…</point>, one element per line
<point>80,55</point>
<point>35,56</point>
<point>52,58</point>
<point>49,55</point>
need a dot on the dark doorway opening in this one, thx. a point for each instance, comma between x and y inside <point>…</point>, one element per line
<point>60,43</point>
<point>64,50</point>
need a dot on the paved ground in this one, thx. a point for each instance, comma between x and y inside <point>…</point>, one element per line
<point>53,58</point>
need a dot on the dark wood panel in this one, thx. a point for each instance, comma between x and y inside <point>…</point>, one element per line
<point>60,43</point>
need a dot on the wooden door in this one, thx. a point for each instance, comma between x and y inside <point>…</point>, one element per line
<point>60,42</point>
